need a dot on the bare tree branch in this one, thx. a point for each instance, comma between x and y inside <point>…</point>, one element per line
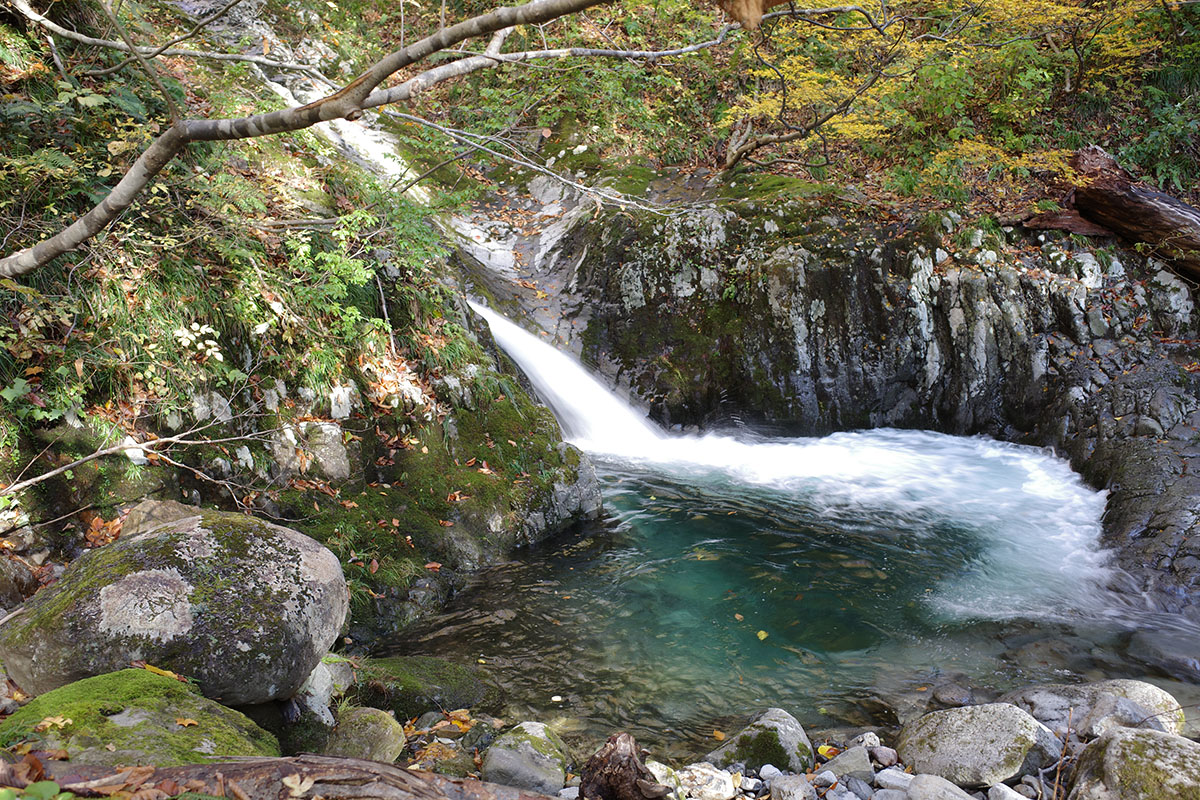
<point>346,103</point>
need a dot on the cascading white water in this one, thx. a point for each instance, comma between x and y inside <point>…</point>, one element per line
<point>1039,522</point>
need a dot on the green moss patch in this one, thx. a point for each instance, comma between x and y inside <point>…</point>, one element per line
<point>412,685</point>
<point>136,717</point>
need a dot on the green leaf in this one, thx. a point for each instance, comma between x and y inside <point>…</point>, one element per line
<point>19,388</point>
<point>42,790</point>
<point>91,100</point>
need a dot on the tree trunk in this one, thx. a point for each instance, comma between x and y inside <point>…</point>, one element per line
<point>306,776</point>
<point>616,772</point>
<point>1108,196</point>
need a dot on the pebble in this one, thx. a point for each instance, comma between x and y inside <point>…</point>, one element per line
<point>792,787</point>
<point>769,772</point>
<point>1002,792</point>
<point>854,761</point>
<point>884,756</point>
<point>890,794</point>
<point>868,740</point>
<point>569,793</point>
<point>893,778</point>
<point>751,785</point>
<point>934,787</point>
<point>824,778</point>
<point>861,789</point>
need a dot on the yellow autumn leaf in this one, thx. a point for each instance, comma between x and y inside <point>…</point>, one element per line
<point>827,751</point>
<point>720,737</point>
<point>159,671</point>
<point>761,635</point>
<point>52,722</point>
<point>185,722</point>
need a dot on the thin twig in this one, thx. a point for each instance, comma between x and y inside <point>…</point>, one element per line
<point>151,73</point>
<point>162,49</point>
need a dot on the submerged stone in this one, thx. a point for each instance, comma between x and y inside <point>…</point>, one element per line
<point>245,607</point>
<point>412,685</point>
<point>136,717</point>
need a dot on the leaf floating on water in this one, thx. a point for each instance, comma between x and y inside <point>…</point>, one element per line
<point>738,617</point>
<point>720,737</point>
<point>762,635</point>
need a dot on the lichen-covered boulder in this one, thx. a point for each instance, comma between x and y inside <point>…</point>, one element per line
<point>366,733</point>
<point>136,717</point>
<point>1130,764</point>
<point>411,685</point>
<point>1090,709</point>
<point>529,756</point>
<point>773,737</point>
<point>978,745</point>
<point>245,607</point>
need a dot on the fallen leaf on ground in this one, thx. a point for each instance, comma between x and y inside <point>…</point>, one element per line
<point>185,722</point>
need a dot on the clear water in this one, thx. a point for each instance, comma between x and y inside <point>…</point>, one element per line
<point>839,577</point>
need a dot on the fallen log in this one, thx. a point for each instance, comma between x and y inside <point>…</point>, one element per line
<point>1106,198</point>
<point>303,776</point>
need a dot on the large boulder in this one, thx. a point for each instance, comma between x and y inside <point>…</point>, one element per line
<point>136,717</point>
<point>978,745</point>
<point>773,737</point>
<point>245,607</point>
<point>1090,709</point>
<point>529,756</point>
<point>1129,764</point>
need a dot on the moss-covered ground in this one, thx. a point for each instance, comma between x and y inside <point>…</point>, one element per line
<point>135,716</point>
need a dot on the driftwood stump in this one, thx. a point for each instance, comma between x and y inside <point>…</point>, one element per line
<point>1107,200</point>
<point>616,772</point>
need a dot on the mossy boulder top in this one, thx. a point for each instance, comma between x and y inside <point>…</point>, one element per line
<point>773,737</point>
<point>1130,764</point>
<point>245,607</point>
<point>136,717</point>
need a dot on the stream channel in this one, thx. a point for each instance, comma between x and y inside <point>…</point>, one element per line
<point>838,577</point>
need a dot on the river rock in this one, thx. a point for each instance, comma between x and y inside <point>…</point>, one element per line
<point>853,762</point>
<point>978,745</point>
<point>792,787</point>
<point>16,582</point>
<point>529,756</point>
<point>136,717</point>
<point>1128,764</point>
<point>893,778</point>
<point>773,737</point>
<point>1002,792</point>
<point>245,607</point>
<point>704,781</point>
<point>667,776</point>
<point>1090,709</point>
<point>366,733</point>
<point>932,787</point>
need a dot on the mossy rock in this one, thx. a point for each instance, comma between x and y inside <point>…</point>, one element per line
<point>1129,764</point>
<point>245,607</point>
<point>132,717</point>
<point>369,733</point>
<point>411,685</point>
<point>527,756</point>
<point>773,737</point>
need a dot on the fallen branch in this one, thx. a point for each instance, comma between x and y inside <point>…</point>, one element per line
<point>272,778</point>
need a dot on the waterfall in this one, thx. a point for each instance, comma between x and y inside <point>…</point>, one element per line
<point>1039,522</point>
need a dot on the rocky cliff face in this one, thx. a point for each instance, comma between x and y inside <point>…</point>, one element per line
<point>795,312</point>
